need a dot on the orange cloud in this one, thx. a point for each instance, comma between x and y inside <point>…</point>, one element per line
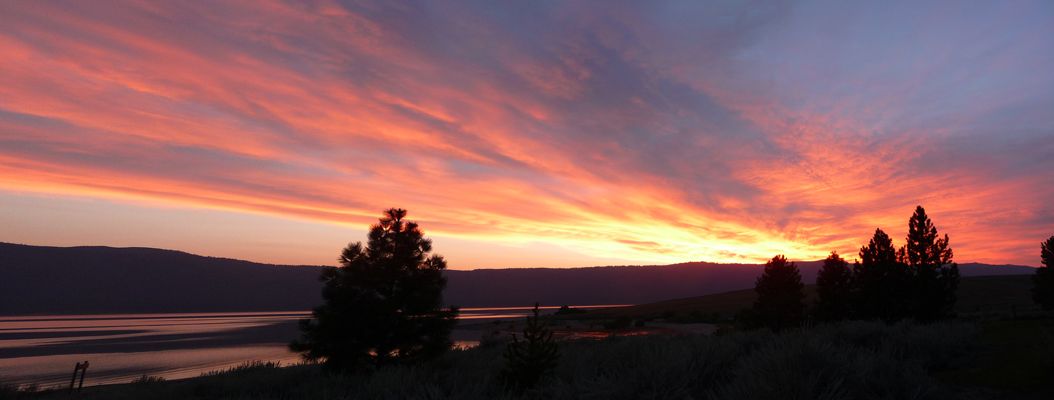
<point>627,133</point>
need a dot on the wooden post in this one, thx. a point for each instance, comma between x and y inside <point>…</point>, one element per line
<point>83,369</point>
<point>73,380</point>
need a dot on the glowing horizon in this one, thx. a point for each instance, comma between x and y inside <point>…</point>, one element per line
<point>562,134</point>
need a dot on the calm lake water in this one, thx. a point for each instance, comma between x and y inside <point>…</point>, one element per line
<point>43,350</point>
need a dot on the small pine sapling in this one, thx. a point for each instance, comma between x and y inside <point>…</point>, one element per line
<point>531,358</point>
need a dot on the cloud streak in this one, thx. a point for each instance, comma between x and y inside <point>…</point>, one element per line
<point>660,132</point>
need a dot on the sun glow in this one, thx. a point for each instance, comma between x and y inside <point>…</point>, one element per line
<point>620,136</point>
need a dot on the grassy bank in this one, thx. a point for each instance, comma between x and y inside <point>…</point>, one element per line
<point>858,360</point>
<point>1016,361</point>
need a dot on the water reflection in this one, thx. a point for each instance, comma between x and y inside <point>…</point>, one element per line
<point>44,349</point>
<point>64,331</point>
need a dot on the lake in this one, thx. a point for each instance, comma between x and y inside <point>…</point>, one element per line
<point>43,350</point>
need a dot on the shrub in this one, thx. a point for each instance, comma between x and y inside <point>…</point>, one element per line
<point>244,367</point>
<point>495,338</point>
<point>565,310</point>
<point>528,360</point>
<point>8,391</point>
<point>147,380</point>
<point>618,323</point>
<point>1048,347</point>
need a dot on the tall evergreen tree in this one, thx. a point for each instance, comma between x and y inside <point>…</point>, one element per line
<point>1043,280</point>
<point>779,304</point>
<point>880,284</point>
<point>935,277</point>
<point>383,304</point>
<point>832,289</point>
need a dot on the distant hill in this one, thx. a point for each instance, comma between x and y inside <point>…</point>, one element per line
<point>629,285</point>
<point>105,280</point>
<point>976,293</point>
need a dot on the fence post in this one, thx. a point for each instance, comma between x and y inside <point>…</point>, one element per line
<point>74,379</point>
<point>84,371</point>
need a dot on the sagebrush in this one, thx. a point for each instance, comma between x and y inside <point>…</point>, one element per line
<point>854,360</point>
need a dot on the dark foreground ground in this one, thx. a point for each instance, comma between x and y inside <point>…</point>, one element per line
<point>858,360</point>
<point>1015,361</point>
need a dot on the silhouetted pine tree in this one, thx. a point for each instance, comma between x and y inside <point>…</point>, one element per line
<point>881,285</point>
<point>935,277</point>
<point>1043,280</point>
<point>383,304</point>
<point>530,359</point>
<point>779,304</point>
<point>832,289</point>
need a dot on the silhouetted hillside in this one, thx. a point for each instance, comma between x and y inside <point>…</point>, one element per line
<point>994,292</point>
<point>97,280</point>
<point>629,284</point>
<point>106,280</point>
<point>599,285</point>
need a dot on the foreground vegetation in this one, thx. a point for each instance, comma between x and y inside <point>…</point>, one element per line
<point>856,360</point>
<point>1015,362</point>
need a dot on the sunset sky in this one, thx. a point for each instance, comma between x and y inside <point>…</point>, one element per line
<point>528,134</point>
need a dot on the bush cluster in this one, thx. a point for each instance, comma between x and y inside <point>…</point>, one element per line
<point>567,310</point>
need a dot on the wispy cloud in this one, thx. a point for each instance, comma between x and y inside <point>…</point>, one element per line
<point>723,132</point>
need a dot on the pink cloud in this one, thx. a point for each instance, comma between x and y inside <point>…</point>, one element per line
<point>662,134</point>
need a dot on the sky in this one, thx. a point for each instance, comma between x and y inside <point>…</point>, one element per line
<point>528,134</point>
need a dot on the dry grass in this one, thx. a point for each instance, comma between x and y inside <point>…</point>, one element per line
<point>858,360</point>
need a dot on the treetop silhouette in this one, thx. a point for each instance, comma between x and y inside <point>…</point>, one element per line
<point>936,277</point>
<point>880,282</point>
<point>833,289</point>
<point>923,246</point>
<point>918,281</point>
<point>383,304</point>
<point>879,250</point>
<point>779,305</point>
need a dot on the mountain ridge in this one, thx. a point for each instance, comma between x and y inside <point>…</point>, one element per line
<point>39,280</point>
